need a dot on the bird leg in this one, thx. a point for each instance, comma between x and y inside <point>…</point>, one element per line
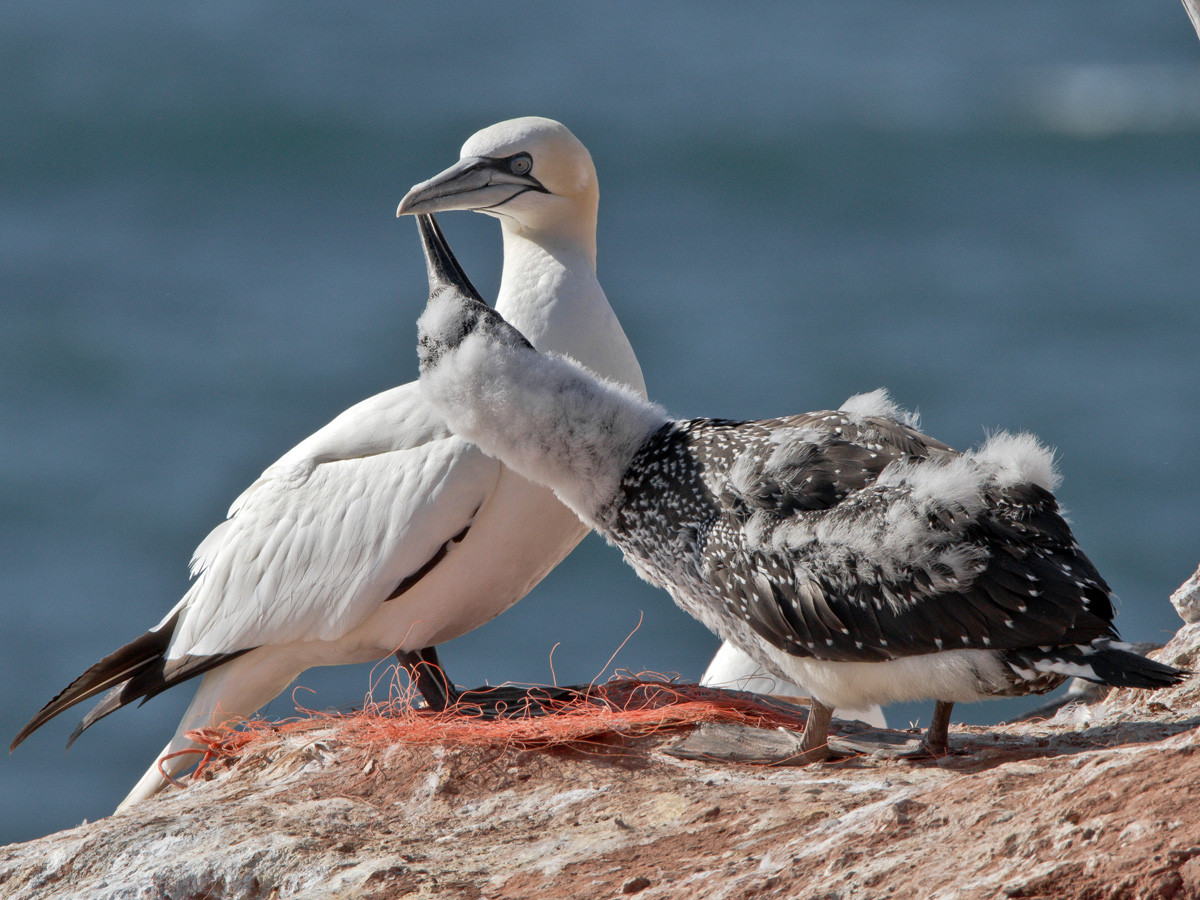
<point>937,738</point>
<point>426,672</point>
<point>814,742</point>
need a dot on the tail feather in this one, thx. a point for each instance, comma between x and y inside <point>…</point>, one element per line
<point>1123,668</point>
<point>1104,661</point>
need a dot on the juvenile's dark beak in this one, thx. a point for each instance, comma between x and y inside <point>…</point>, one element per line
<point>440,262</point>
<point>477,183</point>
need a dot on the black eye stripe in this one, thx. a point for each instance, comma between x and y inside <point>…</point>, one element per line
<point>517,164</point>
<point>523,172</point>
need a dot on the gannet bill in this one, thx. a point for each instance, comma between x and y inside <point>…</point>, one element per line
<point>732,669</point>
<point>384,532</point>
<point>843,550</point>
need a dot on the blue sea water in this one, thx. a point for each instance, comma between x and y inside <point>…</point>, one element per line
<point>991,208</point>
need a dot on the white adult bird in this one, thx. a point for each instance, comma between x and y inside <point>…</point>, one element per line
<point>842,550</point>
<point>384,532</point>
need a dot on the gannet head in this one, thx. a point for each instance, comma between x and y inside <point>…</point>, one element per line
<point>531,173</point>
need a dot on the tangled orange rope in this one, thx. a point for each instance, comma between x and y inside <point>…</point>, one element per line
<point>629,707</point>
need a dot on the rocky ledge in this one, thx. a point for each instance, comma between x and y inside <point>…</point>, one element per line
<point>1099,801</point>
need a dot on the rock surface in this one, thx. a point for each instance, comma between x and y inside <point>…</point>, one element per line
<point>1186,599</point>
<point>1102,801</point>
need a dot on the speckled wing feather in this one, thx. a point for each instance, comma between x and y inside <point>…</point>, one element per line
<point>824,554</point>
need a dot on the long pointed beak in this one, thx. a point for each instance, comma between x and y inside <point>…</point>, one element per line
<point>476,183</point>
<point>440,261</point>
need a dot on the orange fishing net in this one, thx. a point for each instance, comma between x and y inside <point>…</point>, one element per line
<point>628,707</point>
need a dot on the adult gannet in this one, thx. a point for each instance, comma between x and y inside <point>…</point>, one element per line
<point>842,550</point>
<point>383,531</point>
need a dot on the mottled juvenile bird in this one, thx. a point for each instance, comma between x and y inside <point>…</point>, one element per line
<point>842,550</point>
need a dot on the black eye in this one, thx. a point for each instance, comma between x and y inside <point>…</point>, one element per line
<point>520,164</point>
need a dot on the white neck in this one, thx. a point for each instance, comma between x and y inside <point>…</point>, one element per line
<point>549,292</point>
<point>569,228</point>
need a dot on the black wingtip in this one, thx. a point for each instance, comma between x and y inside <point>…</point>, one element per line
<point>137,671</point>
<point>440,262</point>
<point>115,669</point>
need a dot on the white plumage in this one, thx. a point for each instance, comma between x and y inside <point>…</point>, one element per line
<point>383,531</point>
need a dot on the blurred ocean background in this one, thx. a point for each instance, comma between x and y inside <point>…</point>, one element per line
<point>991,208</point>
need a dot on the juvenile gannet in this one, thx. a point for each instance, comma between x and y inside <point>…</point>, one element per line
<point>842,550</point>
<point>384,532</point>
